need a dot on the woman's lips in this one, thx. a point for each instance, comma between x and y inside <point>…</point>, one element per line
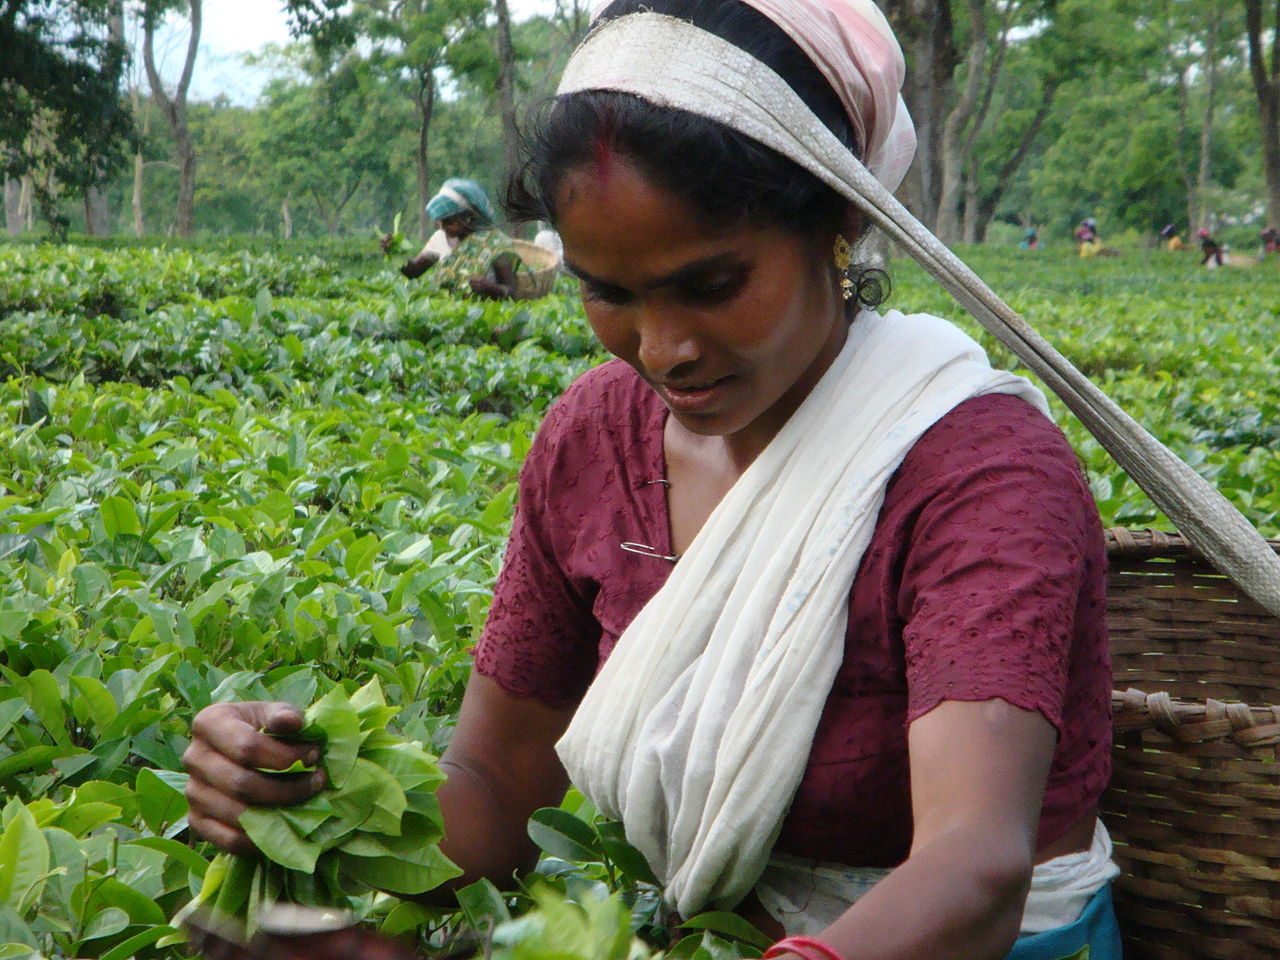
<point>694,398</point>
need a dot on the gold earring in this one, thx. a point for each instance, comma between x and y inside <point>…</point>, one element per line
<point>843,255</point>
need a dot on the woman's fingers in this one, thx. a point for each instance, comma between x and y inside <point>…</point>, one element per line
<point>248,784</point>
<point>250,735</point>
<point>226,759</point>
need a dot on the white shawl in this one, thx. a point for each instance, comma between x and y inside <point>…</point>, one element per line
<point>697,729</point>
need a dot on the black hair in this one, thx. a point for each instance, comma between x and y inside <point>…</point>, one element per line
<point>726,177</point>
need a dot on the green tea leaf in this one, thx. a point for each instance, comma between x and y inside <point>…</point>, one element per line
<point>24,855</point>
<point>106,923</point>
<point>277,839</point>
<point>119,517</point>
<point>400,876</point>
<point>333,715</point>
<point>728,925</point>
<point>174,850</point>
<point>563,835</point>
<point>159,803</point>
<point>483,905</point>
<point>132,946</point>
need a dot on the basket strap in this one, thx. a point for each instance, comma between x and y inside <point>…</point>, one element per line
<point>706,75</point>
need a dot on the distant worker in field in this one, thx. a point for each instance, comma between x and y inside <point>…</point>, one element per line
<point>1172,242</point>
<point>1030,239</point>
<point>1088,242</point>
<point>468,254</point>
<point>1270,238</point>
<point>1210,250</point>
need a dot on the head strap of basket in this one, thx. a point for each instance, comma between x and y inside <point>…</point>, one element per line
<point>673,63</point>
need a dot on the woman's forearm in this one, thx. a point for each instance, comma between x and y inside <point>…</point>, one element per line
<point>501,766</point>
<point>960,897</point>
<point>483,834</point>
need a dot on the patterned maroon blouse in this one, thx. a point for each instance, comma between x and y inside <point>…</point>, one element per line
<point>984,579</point>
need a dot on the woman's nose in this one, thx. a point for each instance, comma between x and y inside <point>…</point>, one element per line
<point>666,343</point>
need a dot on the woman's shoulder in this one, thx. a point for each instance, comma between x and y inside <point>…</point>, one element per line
<point>993,466</point>
<point>609,403</point>
<point>989,429</point>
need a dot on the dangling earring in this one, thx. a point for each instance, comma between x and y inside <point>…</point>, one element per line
<point>843,254</point>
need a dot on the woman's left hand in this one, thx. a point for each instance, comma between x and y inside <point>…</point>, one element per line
<point>488,289</point>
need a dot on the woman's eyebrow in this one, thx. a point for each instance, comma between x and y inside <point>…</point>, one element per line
<point>689,271</point>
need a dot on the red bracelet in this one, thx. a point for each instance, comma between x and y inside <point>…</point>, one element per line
<point>806,948</point>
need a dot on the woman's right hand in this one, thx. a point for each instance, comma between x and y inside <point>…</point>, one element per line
<point>231,745</point>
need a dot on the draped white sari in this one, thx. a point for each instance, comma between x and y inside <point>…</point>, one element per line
<point>697,729</point>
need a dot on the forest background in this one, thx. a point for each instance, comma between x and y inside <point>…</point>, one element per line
<point>1037,113</point>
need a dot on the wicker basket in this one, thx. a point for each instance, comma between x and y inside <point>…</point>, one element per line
<point>1194,800</point>
<point>537,275</point>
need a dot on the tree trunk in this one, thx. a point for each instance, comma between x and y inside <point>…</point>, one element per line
<point>12,206</point>
<point>971,202</point>
<point>1180,152</point>
<point>139,165</point>
<point>507,88</point>
<point>958,120</point>
<point>186,154</point>
<point>1206,130</point>
<point>924,29</point>
<point>26,204</point>
<point>575,19</point>
<point>175,111</point>
<point>139,228</point>
<point>1267,89</point>
<point>979,118</point>
<point>97,213</point>
<point>426,102</point>
<point>287,218</point>
<point>990,202</point>
<point>1173,37</point>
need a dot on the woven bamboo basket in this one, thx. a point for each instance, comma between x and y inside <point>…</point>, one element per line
<point>537,275</point>
<point>1194,799</point>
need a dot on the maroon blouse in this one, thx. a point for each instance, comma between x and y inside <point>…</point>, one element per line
<point>984,578</point>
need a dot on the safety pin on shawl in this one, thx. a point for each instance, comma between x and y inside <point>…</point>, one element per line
<point>644,550</point>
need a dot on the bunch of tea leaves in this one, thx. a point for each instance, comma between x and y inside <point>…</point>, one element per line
<point>375,826</point>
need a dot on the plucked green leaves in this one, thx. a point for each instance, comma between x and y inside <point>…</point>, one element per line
<point>374,826</point>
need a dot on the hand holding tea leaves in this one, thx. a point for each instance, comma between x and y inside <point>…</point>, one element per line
<point>375,825</point>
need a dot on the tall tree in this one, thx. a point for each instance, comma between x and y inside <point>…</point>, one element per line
<point>506,85</point>
<point>12,202</point>
<point>924,28</point>
<point>1192,48</point>
<point>1074,44</point>
<point>97,214</point>
<point>323,132</point>
<point>1265,71</point>
<point>959,119</point>
<point>62,123</point>
<point>174,107</point>
<point>418,40</point>
<point>573,15</point>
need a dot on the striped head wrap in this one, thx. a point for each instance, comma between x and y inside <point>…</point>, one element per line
<point>459,195</point>
<point>849,41</point>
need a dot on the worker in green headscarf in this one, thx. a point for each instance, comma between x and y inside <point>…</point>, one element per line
<point>467,254</point>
